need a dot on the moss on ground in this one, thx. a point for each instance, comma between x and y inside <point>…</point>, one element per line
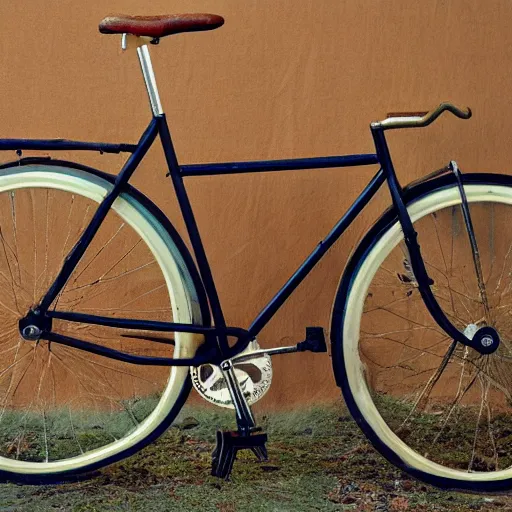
<point>318,460</point>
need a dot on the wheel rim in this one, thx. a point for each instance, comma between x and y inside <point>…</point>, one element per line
<point>62,410</point>
<point>448,423</point>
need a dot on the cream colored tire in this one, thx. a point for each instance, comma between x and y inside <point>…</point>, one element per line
<point>34,201</point>
<point>438,411</point>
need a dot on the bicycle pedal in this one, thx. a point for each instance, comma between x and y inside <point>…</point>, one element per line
<point>314,342</point>
<point>228,445</point>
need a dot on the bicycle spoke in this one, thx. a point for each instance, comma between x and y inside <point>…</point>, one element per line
<point>458,398</point>
<point>101,280</point>
<point>97,253</point>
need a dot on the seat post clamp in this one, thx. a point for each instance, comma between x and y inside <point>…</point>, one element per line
<point>129,41</point>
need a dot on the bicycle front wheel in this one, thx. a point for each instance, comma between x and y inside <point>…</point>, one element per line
<point>64,411</point>
<point>434,407</point>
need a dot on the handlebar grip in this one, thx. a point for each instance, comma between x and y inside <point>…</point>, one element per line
<point>420,119</point>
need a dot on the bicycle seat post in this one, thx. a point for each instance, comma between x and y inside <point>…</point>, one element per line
<point>141,43</point>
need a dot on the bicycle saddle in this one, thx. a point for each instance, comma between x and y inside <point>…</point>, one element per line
<point>159,26</point>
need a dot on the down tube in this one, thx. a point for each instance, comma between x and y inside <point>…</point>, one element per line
<point>309,263</point>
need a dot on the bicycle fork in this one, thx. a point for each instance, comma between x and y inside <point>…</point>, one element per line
<point>486,339</point>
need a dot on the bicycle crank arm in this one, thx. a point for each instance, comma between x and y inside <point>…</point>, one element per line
<point>314,342</point>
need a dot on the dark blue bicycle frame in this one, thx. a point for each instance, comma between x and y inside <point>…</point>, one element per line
<point>216,347</point>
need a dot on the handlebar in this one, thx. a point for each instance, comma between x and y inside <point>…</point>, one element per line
<point>419,119</point>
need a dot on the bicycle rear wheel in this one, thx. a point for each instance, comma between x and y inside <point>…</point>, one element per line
<point>64,411</point>
<point>433,407</point>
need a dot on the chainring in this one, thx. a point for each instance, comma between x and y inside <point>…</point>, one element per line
<point>254,377</point>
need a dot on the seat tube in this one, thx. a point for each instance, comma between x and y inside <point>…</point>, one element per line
<point>179,187</point>
<point>193,233</point>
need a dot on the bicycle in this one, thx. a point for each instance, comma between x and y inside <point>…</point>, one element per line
<point>86,293</point>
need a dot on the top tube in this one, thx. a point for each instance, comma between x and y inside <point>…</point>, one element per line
<point>294,164</point>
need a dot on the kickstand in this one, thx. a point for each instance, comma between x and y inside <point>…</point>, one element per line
<point>228,444</point>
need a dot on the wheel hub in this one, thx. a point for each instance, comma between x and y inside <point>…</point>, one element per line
<point>33,324</point>
<point>485,339</point>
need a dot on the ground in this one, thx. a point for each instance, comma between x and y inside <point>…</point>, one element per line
<point>318,460</point>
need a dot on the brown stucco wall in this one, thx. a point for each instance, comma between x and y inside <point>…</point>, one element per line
<point>280,79</point>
